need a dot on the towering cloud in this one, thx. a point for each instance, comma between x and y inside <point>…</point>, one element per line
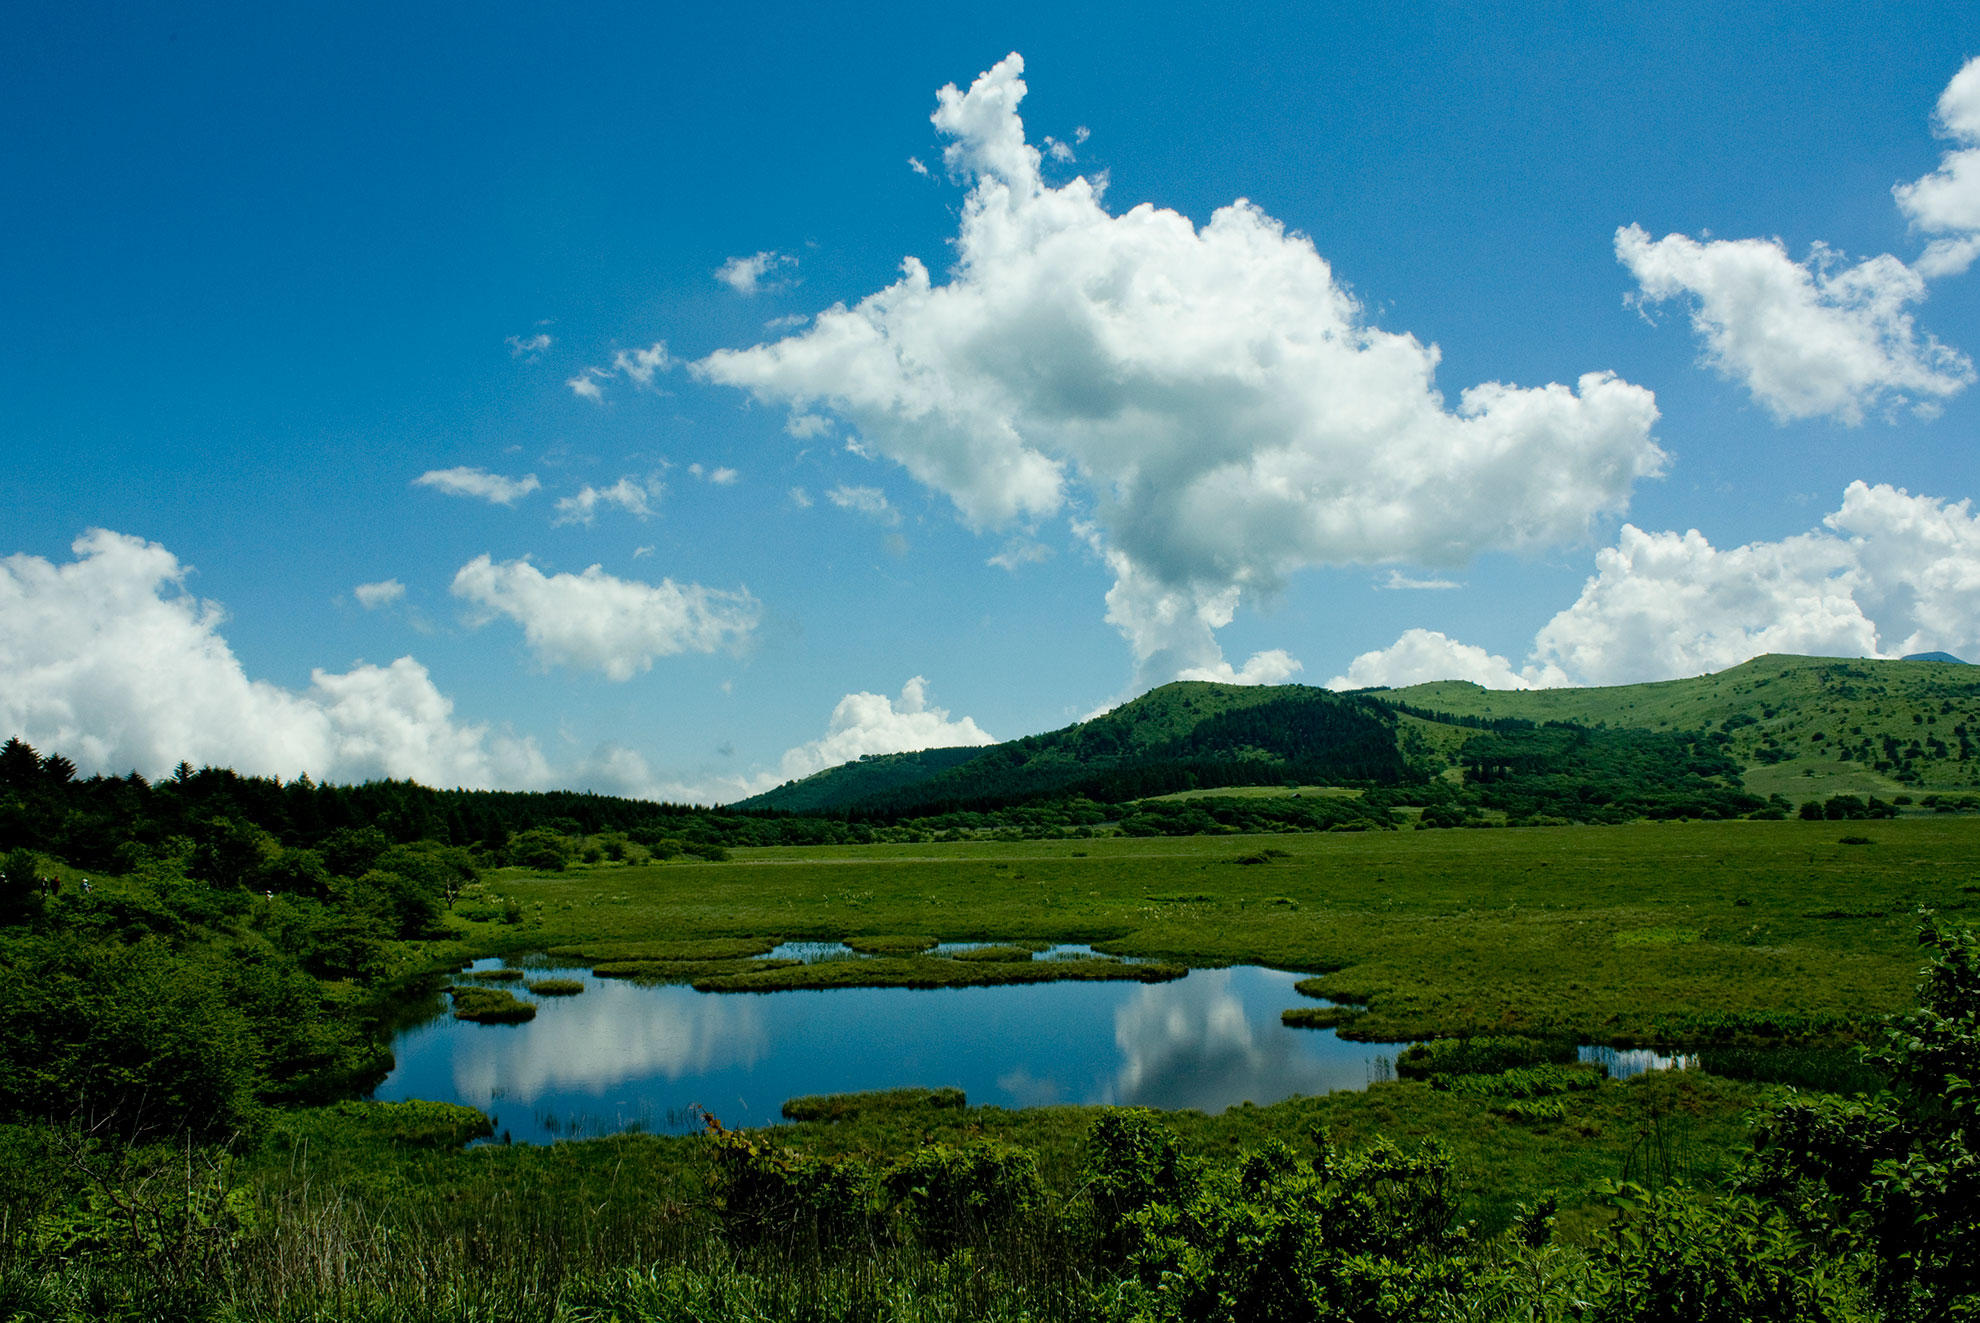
<point>1211,399</point>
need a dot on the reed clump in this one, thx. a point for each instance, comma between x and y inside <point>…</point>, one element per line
<point>885,946</point>
<point>994,954</point>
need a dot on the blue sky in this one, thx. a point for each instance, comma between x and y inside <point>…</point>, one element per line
<point>350,339</point>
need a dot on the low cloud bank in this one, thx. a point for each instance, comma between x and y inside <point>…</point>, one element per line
<point>1886,574</point>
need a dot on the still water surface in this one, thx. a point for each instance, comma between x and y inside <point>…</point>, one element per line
<point>622,1056</point>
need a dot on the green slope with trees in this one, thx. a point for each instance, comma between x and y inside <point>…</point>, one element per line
<point>1181,736</point>
<point>1781,729</point>
<point>1799,726</point>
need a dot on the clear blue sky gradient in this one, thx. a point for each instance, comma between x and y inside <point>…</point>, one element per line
<point>261,263</point>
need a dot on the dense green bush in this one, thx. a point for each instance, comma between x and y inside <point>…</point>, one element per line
<point>1369,1235</point>
<point>1898,1174</point>
<point>952,1196</point>
<point>768,1195</point>
<point>1674,1257</point>
<point>137,1041</point>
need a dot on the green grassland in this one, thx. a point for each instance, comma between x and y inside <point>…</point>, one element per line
<point>1669,933</point>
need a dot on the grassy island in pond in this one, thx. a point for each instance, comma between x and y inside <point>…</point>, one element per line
<point>490,1006</point>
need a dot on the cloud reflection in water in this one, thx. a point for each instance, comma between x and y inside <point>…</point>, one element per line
<point>1196,1043</point>
<point>611,1034</point>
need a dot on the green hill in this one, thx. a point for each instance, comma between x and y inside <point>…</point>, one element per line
<point>1178,737</point>
<point>1803,727</point>
<point>875,774</point>
<point>1797,727</point>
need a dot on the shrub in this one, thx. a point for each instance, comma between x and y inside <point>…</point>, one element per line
<point>540,849</point>
<point>1676,1256</point>
<point>1366,1235</point>
<point>1133,1161</point>
<point>1898,1171</point>
<point>766,1194</point>
<point>949,1197</point>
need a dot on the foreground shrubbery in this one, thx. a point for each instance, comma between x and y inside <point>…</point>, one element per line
<point>1844,1209</point>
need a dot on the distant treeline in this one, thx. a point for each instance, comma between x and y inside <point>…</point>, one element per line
<point>94,822</point>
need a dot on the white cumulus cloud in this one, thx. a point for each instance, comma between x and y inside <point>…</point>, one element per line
<point>1422,655</point>
<point>1821,337</point>
<point>371,596</point>
<point>639,366</point>
<point>747,275</point>
<point>1212,396</point>
<point>479,483</point>
<point>596,622</point>
<point>1887,574</point>
<point>1809,339</point>
<point>528,346</point>
<point>1946,203</point>
<point>866,723</point>
<point>1664,605</point>
<point>111,661</point>
<point>869,501</point>
<point>627,494</point>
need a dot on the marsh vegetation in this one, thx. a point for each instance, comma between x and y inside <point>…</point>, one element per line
<point>204,972</point>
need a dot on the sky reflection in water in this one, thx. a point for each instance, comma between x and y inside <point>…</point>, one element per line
<point>621,1055</point>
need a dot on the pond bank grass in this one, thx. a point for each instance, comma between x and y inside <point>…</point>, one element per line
<point>556,987</point>
<point>684,971</point>
<point>891,946</point>
<point>707,948</point>
<point>933,972</point>
<point>994,954</point>
<point>892,1103</point>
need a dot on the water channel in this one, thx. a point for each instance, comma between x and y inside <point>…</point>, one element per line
<point>623,1056</point>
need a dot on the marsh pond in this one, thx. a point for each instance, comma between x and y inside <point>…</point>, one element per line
<point>624,1056</point>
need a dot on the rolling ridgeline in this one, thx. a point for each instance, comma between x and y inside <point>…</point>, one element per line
<point>181,1043</point>
<point>1760,738</point>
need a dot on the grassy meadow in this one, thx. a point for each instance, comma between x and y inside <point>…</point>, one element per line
<point>1672,934</point>
<point>1769,946</point>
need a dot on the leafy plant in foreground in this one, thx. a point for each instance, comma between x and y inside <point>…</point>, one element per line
<point>1898,1176</point>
